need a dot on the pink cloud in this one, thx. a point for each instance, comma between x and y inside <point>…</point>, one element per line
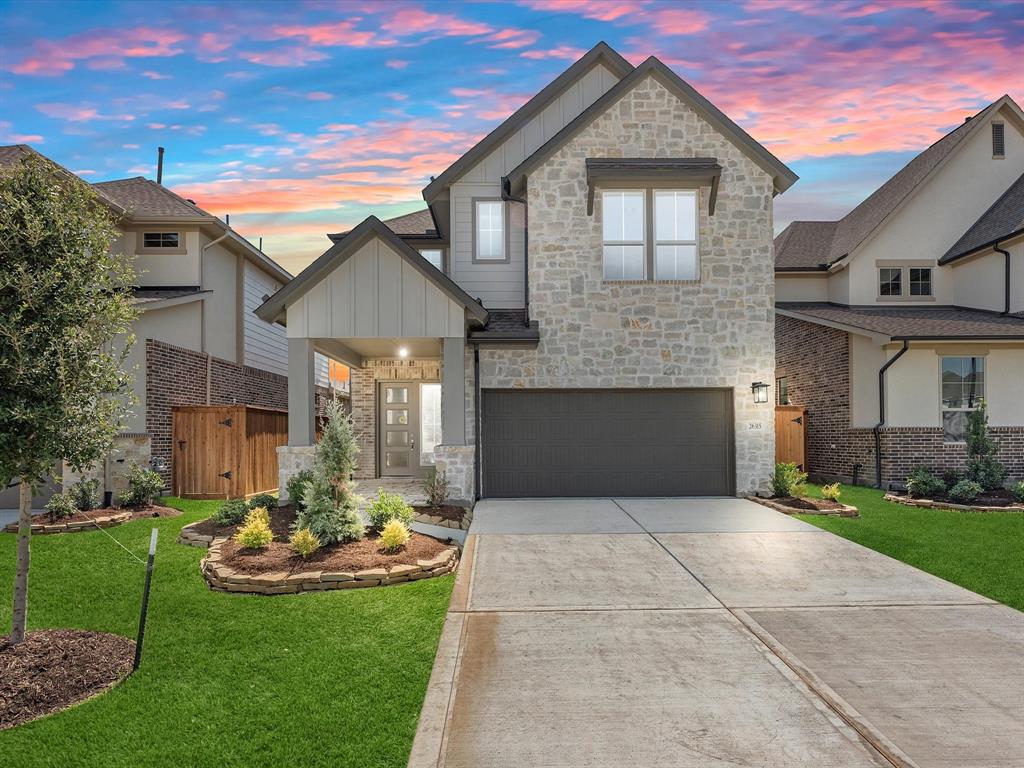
<point>396,63</point>
<point>151,75</point>
<point>510,38</point>
<point>341,33</point>
<point>25,138</point>
<point>412,20</point>
<point>561,52</point>
<point>110,46</point>
<point>292,56</point>
<point>601,10</point>
<point>319,96</point>
<point>77,113</point>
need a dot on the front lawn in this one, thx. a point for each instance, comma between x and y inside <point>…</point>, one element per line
<point>331,678</point>
<point>981,551</point>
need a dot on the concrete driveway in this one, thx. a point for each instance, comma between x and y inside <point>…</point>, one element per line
<point>710,632</point>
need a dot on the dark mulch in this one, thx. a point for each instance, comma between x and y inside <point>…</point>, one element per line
<point>353,556</point>
<point>817,505</point>
<point>281,519</point>
<point>55,668</point>
<point>445,511</point>
<point>997,498</point>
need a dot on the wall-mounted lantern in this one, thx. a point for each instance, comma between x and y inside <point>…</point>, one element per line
<point>760,390</point>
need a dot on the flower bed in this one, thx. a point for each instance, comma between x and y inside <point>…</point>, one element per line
<point>805,505</point>
<point>1005,504</point>
<point>93,519</point>
<point>445,516</point>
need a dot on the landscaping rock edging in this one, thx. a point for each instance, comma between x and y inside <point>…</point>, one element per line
<point>75,526</point>
<point>225,579</point>
<point>428,519</point>
<point>192,538</point>
<point>845,511</point>
<point>950,505</point>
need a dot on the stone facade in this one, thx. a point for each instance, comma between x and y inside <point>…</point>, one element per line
<point>713,332</point>
<point>128,449</point>
<point>458,462</point>
<point>292,459</point>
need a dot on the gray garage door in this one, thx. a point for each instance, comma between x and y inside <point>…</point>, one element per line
<point>607,442</point>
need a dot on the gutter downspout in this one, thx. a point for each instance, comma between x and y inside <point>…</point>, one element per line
<point>476,421</point>
<point>881,411</point>
<point>1006,257</point>
<point>506,188</point>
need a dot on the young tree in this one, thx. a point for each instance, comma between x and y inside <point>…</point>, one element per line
<point>982,465</point>
<point>65,314</point>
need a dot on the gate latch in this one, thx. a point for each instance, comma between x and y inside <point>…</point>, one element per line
<point>226,422</point>
<point>225,475</point>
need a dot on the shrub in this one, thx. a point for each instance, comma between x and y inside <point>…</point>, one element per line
<point>60,506</point>
<point>394,535</point>
<point>296,486</point>
<point>437,488</point>
<point>965,491</point>
<point>387,507</point>
<point>788,480</point>
<point>258,513</point>
<point>952,476</point>
<point>329,507</point>
<point>144,486</point>
<point>255,533</point>
<point>231,512</point>
<point>264,500</point>
<point>85,494</point>
<point>304,543</point>
<point>982,465</point>
<point>831,492</point>
<point>1017,489</point>
<point>922,484</point>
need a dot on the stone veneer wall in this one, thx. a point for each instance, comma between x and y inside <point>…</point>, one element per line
<point>712,332</point>
<point>817,361</point>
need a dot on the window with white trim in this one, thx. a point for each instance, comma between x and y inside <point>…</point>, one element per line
<point>434,255</point>
<point>490,230</point>
<point>159,239</point>
<point>890,281</point>
<point>920,281</point>
<point>963,388</point>
<point>623,217</point>
<point>675,234</point>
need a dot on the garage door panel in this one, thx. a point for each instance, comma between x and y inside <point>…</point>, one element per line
<point>623,442</point>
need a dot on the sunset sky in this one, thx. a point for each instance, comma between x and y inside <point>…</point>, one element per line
<point>301,118</point>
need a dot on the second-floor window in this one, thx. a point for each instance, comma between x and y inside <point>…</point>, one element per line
<point>159,239</point>
<point>489,230</point>
<point>631,251</point>
<point>434,255</point>
<point>904,282</point>
<point>890,281</point>
<point>920,281</point>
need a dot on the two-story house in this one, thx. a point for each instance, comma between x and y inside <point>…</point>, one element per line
<point>584,308</point>
<point>894,322</point>
<point>198,340</point>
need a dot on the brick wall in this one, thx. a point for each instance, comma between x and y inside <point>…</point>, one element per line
<point>817,361</point>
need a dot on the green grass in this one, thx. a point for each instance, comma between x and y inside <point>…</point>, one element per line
<point>981,551</point>
<point>328,678</point>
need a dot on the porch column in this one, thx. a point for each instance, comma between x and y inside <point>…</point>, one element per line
<point>301,403</point>
<point>453,392</point>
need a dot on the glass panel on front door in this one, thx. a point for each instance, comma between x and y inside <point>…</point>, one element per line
<point>398,429</point>
<point>430,422</point>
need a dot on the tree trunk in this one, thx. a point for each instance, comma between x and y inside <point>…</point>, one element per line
<point>21,570</point>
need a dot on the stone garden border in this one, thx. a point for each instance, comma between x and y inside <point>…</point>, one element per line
<point>898,499</point>
<point>845,511</point>
<point>75,526</point>
<point>225,579</point>
<point>427,519</point>
<point>192,538</point>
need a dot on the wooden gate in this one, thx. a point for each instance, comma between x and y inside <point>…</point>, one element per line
<point>791,435</point>
<point>225,451</point>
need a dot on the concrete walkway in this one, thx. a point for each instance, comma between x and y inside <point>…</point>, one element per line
<point>710,632</point>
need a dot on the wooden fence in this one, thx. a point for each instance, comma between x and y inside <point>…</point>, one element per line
<point>791,435</point>
<point>225,451</point>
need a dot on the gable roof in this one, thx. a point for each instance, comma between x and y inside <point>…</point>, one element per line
<point>898,323</point>
<point>418,224</point>
<point>825,246</point>
<point>782,175</point>
<point>145,198</point>
<point>273,308</point>
<point>1004,219</point>
<point>798,246</point>
<point>602,52</point>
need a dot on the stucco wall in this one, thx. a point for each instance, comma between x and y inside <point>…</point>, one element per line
<point>981,281</point>
<point>715,332</point>
<point>801,287</point>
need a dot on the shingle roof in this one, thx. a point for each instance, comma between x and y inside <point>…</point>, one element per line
<point>144,296</point>
<point>1003,219</point>
<point>147,198</point>
<point>913,322</point>
<point>798,246</point>
<point>821,245</point>
<point>410,225</point>
<point>12,154</point>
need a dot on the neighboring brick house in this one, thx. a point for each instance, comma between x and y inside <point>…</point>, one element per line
<point>894,322</point>
<point>583,309</point>
<point>198,340</point>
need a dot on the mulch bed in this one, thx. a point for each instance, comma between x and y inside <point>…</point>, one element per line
<point>281,519</point>
<point>353,556</point>
<point>445,512</point>
<point>803,502</point>
<point>138,513</point>
<point>998,498</point>
<point>55,668</point>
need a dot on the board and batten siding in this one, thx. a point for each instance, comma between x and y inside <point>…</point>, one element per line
<point>375,294</point>
<point>266,345</point>
<point>499,285</point>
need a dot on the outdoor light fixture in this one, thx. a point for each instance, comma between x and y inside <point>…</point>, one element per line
<point>760,390</point>
<point>403,352</point>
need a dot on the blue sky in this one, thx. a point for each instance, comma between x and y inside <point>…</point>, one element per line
<point>300,118</point>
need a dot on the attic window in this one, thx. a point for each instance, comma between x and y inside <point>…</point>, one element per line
<point>998,140</point>
<point>160,240</point>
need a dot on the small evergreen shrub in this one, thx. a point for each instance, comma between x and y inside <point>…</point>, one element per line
<point>788,480</point>
<point>258,513</point>
<point>387,507</point>
<point>264,500</point>
<point>304,543</point>
<point>144,487</point>
<point>831,492</point>
<point>231,512</point>
<point>394,535</point>
<point>255,532</point>
<point>982,465</point>
<point>60,506</point>
<point>922,484</point>
<point>85,494</point>
<point>296,486</point>
<point>1017,489</point>
<point>437,488</point>
<point>951,477</point>
<point>332,522</point>
<point>965,491</point>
